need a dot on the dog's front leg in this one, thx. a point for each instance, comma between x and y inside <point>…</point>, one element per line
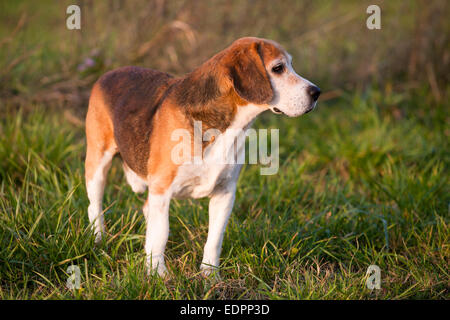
<point>157,213</point>
<point>220,207</point>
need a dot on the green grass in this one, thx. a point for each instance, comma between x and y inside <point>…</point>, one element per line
<point>363,180</point>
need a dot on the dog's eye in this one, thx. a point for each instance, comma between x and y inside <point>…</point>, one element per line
<point>279,68</point>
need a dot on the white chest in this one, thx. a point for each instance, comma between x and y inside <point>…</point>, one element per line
<point>218,167</point>
<point>221,160</point>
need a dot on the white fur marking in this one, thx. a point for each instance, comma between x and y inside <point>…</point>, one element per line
<point>220,207</point>
<point>95,188</point>
<point>157,213</point>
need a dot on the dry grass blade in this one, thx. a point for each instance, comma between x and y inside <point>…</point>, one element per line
<point>19,26</point>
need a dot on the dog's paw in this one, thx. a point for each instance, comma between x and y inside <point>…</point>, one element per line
<point>162,271</point>
<point>98,238</point>
<point>156,267</point>
<point>210,272</point>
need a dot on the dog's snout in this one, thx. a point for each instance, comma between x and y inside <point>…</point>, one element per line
<point>314,92</point>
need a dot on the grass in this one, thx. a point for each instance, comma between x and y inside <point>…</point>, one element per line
<point>363,180</point>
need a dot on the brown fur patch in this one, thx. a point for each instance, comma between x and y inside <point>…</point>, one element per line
<point>99,132</point>
<point>161,168</point>
<point>133,96</point>
<point>249,75</point>
<point>197,90</point>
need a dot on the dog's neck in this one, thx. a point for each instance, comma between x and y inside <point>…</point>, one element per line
<point>230,143</point>
<point>245,115</point>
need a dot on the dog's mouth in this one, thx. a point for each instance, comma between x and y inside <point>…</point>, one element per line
<point>277,111</point>
<point>311,108</point>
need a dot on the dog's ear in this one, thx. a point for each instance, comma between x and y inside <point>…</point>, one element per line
<point>249,76</point>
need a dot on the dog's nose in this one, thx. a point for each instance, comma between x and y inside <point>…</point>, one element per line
<point>314,92</point>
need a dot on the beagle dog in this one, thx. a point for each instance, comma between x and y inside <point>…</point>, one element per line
<point>134,111</point>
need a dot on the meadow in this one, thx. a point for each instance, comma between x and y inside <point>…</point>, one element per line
<point>363,179</point>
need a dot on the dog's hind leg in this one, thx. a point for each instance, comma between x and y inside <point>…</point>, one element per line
<point>100,152</point>
<point>95,185</point>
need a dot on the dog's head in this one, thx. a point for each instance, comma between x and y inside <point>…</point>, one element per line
<point>261,72</point>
